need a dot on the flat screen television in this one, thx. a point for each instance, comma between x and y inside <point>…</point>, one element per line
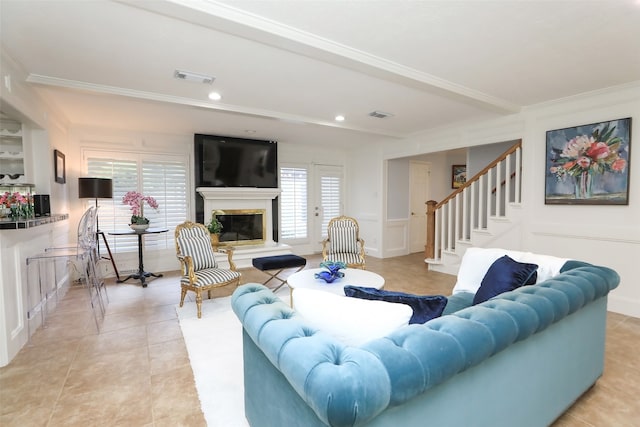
<point>222,161</point>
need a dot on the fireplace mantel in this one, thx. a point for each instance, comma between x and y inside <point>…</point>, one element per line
<point>245,198</point>
<point>238,193</point>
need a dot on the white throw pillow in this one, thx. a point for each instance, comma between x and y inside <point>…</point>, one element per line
<point>548,266</point>
<point>353,321</point>
<point>473,267</point>
<point>476,262</point>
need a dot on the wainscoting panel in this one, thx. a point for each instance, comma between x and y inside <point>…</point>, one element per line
<point>369,226</point>
<point>396,241</point>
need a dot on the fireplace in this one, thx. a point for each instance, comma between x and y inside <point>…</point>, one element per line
<point>243,199</point>
<point>243,226</point>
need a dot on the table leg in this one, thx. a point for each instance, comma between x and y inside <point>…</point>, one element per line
<point>141,274</point>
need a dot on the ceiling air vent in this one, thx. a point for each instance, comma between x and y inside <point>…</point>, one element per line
<point>193,77</point>
<point>380,114</point>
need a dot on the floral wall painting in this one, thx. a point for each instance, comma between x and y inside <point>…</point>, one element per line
<point>458,176</point>
<point>589,164</point>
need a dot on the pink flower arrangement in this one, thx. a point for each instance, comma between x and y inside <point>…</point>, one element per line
<point>594,154</point>
<point>8,199</point>
<point>136,201</point>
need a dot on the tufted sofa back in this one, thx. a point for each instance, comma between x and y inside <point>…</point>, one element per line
<point>364,381</point>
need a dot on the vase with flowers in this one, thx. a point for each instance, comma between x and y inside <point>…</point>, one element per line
<point>136,201</point>
<point>215,227</point>
<point>586,157</point>
<point>16,205</point>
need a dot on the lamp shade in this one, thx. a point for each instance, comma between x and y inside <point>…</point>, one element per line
<point>95,188</point>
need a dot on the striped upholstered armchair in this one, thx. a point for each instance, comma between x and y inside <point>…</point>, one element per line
<point>343,242</point>
<point>200,270</point>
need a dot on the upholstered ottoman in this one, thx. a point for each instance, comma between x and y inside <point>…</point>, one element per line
<point>274,265</point>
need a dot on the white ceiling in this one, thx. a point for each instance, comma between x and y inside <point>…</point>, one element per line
<point>286,68</point>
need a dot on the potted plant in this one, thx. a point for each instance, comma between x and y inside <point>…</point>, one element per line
<point>215,227</point>
<point>136,201</point>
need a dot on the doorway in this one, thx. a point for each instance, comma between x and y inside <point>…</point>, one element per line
<point>419,174</point>
<point>329,199</point>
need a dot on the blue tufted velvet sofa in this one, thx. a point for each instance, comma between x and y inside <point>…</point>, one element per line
<point>519,359</point>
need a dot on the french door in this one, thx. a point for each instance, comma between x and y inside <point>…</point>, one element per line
<point>329,199</point>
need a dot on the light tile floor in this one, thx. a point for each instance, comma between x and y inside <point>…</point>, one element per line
<point>136,371</point>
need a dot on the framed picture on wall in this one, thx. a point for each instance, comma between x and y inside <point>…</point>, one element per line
<point>458,176</point>
<point>589,164</point>
<point>59,167</point>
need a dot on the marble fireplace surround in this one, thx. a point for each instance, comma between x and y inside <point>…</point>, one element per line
<point>245,198</point>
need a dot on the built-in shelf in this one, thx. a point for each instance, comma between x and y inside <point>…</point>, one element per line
<point>12,167</point>
<point>7,224</point>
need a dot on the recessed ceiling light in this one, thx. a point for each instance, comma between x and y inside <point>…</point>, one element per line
<point>250,131</point>
<point>339,118</point>
<point>215,96</point>
<point>193,77</point>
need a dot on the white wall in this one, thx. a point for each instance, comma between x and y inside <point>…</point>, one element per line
<point>397,183</point>
<point>367,195</point>
<point>479,157</point>
<point>604,235</point>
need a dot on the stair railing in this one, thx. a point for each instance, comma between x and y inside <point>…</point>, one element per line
<point>469,207</point>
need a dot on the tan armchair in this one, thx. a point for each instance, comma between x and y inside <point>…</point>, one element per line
<point>200,270</point>
<point>343,242</point>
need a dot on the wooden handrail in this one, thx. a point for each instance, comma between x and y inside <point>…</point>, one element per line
<point>482,172</point>
<point>433,206</point>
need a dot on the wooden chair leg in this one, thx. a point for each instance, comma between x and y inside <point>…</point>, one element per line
<point>199,303</point>
<point>182,295</point>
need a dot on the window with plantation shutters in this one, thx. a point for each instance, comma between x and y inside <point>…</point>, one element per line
<point>330,194</point>
<point>163,179</point>
<point>166,181</point>
<point>293,203</point>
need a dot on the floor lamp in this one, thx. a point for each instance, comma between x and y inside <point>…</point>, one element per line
<point>98,188</point>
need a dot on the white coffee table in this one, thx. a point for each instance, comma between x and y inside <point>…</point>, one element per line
<point>352,276</point>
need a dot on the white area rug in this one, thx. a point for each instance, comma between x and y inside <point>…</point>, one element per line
<point>214,344</point>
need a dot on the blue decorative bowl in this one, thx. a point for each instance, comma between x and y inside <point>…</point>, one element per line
<point>329,276</point>
<point>333,271</point>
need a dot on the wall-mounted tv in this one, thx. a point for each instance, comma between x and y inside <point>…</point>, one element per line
<point>222,161</point>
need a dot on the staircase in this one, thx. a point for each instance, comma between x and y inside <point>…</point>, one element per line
<point>484,212</point>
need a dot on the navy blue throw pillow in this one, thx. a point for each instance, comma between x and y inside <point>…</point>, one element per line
<point>504,275</point>
<point>424,308</point>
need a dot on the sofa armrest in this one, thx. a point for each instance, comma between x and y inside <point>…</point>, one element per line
<point>313,361</point>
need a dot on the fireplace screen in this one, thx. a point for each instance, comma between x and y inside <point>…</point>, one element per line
<point>243,226</point>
